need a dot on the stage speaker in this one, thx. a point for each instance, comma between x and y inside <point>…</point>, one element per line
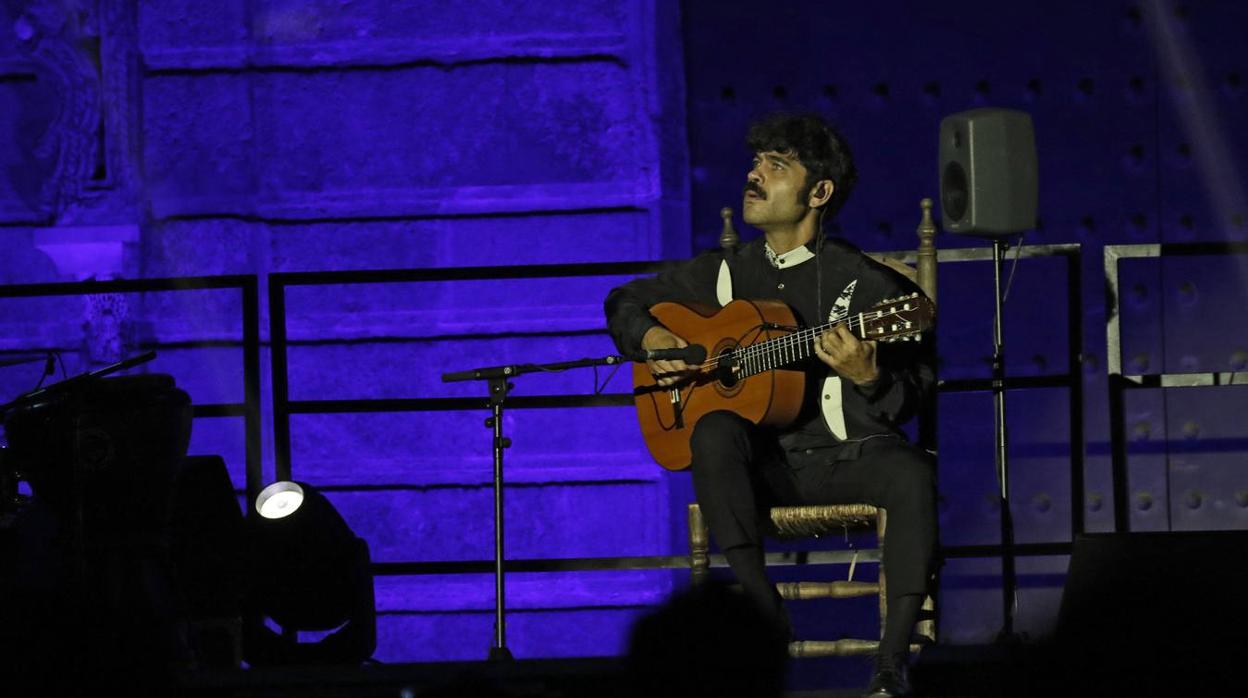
<point>988,181</point>
<point>1151,610</point>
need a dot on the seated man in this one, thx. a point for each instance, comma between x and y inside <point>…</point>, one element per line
<point>846,445</point>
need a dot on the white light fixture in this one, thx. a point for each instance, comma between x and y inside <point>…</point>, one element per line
<point>279,500</point>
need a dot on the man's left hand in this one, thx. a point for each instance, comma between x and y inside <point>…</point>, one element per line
<point>850,357</point>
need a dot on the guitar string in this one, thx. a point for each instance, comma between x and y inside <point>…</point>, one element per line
<point>795,341</point>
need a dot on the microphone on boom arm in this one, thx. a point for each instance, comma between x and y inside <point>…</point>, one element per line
<point>693,354</point>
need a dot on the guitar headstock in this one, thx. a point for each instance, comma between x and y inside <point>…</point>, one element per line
<point>900,319</point>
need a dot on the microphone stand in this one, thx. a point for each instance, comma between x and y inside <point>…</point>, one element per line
<point>497,379</point>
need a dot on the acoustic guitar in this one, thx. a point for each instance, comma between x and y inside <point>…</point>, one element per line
<point>750,347</point>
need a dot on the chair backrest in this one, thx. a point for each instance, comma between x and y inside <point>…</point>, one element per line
<point>923,273</point>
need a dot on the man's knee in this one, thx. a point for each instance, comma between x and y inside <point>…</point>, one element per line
<point>911,476</point>
<point>720,440</point>
<point>718,430</point>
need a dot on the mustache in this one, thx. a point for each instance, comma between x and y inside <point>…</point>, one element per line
<point>753,187</point>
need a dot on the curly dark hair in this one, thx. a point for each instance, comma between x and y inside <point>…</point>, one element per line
<point>820,148</point>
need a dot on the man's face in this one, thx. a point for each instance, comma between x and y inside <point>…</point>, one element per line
<point>775,193</point>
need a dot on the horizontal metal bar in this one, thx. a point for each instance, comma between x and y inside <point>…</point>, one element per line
<point>984,254</point>
<point>1011,382</point>
<point>1183,380</point>
<point>436,404</point>
<point>533,271</point>
<point>659,562</point>
<point>83,288</point>
<point>590,564</point>
<point>222,409</point>
<point>1175,249</point>
<point>995,550</point>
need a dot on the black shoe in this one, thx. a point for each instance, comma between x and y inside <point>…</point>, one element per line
<point>890,677</point>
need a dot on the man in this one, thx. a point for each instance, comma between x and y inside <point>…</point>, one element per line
<point>845,446</point>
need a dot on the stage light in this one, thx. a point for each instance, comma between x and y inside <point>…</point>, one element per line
<point>279,500</point>
<point>309,573</point>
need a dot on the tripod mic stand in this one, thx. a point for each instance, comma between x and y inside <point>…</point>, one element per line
<point>498,379</point>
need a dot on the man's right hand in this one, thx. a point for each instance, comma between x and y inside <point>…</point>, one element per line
<point>665,372</point>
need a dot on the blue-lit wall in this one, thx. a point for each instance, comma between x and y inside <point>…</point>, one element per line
<point>172,138</point>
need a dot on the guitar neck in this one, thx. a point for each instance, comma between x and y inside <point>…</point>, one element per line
<point>793,347</point>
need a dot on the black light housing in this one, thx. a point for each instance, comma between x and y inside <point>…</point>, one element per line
<point>309,572</point>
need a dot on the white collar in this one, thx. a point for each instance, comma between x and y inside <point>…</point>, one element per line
<point>792,258</point>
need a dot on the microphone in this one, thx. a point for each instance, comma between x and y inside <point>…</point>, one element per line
<point>693,354</point>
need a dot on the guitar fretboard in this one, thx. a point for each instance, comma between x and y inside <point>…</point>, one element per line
<point>793,347</point>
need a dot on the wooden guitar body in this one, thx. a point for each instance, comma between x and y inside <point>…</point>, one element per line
<point>669,414</point>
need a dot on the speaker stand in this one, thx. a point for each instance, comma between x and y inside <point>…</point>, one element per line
<point>1009,580</point>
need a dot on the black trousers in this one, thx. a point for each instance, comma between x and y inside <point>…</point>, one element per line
<point>740,470</point>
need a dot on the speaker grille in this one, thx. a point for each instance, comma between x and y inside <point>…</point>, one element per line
<point>953,195</point>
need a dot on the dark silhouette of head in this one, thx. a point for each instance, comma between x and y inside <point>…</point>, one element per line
<point>709,640</point>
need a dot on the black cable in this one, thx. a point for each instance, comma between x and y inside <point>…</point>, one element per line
<point>49,369</point>
<point>598,389</point>
<point>1018,252</point>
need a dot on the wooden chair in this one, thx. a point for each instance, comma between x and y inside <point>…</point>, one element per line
<point>816,521</point>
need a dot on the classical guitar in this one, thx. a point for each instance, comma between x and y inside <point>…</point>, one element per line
<point>750,345</point>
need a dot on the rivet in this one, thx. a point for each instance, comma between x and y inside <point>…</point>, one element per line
<point>727,93</point>
<point>1140,362</point>
<point>827,397</point>
<point>1035,88</point>
<point>993,501</point>
<point>780,287</point>
<point>1096,501</point>
<point>1140,431</point>
<point>1086,86</point>
<point>1194,499</point>
<point>1143,501</point>
<point>1241,499</point>
<point>1239,360</point>
<point>1042,502</point>
<point>983,87</point>
<point>780,92</point>
<point>932,89</point>
<point>1091,364</point>
<point>830,91</point>
<point>1191,429</point>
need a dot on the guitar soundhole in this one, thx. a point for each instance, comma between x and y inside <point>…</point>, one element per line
<point>727,380</point>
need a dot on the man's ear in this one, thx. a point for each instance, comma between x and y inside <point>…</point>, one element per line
<point>821,193</point>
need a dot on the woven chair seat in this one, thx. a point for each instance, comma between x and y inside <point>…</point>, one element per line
<point>797,522</point>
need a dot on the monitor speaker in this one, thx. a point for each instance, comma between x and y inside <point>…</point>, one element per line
<point>988,181</point>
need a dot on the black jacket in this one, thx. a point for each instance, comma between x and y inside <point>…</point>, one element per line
<point>841,279</point>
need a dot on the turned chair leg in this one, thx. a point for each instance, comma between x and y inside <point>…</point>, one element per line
<point>699,546</point>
